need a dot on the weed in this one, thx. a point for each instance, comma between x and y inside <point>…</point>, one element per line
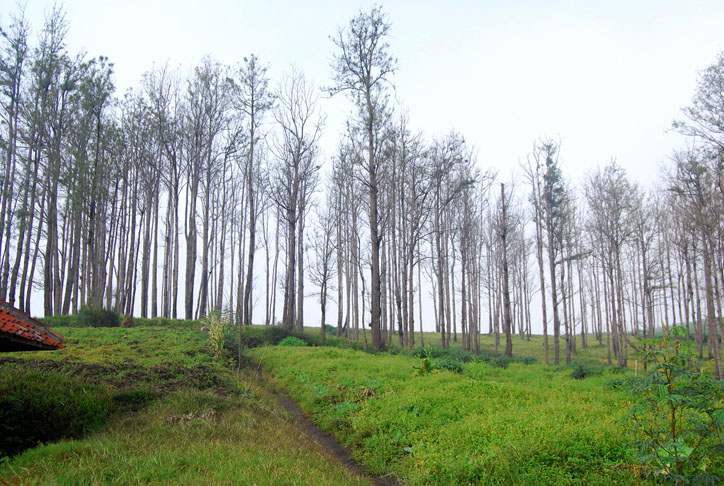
<point>292,341</point>
<point>217,325</point>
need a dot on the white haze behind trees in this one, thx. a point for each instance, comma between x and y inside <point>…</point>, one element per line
<point>608,78</point>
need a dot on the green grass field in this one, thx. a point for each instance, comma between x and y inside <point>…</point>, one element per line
<point>149,405</point>
<point>153,407</point>
<point>524,424</point>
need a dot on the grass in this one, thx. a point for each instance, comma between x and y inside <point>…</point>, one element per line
<point>161,410</point>
<point>248,442</point>
<point>521,346</point>
<point>172,415</point>
<point>524,424</point>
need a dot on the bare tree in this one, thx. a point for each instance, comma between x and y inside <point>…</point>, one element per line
<point>611,200</point>
<point>362,67</point>
<point>504,229</point>
<point>13,56</point>
<point>296,171</point>
<point>253,99</point>
<point>322,269</point>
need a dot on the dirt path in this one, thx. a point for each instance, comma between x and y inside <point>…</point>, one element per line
<point>326,440</point>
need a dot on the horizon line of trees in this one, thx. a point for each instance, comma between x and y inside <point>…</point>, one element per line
<point>217,176</point>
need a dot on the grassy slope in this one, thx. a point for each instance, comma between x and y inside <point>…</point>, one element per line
<point>527,424</point>
<point>250,440</point>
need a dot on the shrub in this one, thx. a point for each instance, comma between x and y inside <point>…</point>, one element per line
<point>449,364</point>
<point>526,360</point>
<point>458,354</point>
<point>292,341</point>
<point>394,349</point>
<point>310,339</point>
<point>584,370</point>
<point>273,335</point>
<point>499,361</point>
<point>680,417</point>
<point>436,359</point>
<point>427,352</point>
<point>96,316</point>
<point>456,357</point>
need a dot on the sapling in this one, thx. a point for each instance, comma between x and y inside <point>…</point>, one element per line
<point>680,418</point>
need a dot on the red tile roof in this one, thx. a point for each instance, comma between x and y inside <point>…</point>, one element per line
<point>20,332</point>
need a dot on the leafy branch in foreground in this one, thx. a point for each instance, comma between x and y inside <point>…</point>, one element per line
<point>680,417</point>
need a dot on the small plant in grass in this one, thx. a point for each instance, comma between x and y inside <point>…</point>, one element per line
<point>680,418</point>
<point>426,367</point>
<point>216,324</point>
<point>292,341</point>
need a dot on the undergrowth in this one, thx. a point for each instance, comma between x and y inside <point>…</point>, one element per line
<point>486,423</point>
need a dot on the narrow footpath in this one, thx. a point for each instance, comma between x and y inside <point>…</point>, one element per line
<point>325,439</point>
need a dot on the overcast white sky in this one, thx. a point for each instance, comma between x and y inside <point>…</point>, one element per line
<point>607,77</point>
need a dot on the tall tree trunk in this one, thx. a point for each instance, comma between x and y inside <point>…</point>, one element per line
<point>154,272</point>
<point>554,298</point>
<point>507,321</point>
<point>190,248</point>
<point>300,267</point>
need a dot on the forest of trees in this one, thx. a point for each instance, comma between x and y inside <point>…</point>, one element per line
<point>208,191</point>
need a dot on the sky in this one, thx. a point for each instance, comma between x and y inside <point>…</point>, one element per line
<point>606,78</point>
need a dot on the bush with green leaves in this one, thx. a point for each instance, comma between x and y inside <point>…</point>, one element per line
<point>292,341</point>
<point>449,364</point>
<point>583,370</point>
<point>679,419</point>
<point>97,316</point>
